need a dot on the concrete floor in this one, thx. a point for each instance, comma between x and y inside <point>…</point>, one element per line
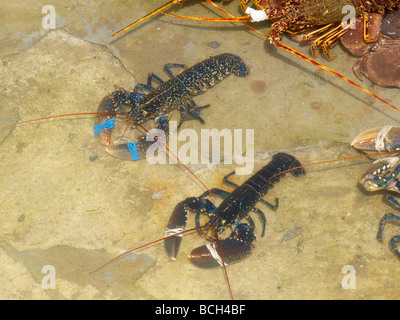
<point>66,203</point>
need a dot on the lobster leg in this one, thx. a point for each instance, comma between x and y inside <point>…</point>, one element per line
<point>392,200</point>
<point>216,191</point>
<point>194,110</point>
<point>167,69</point>
<point>169,65</point>
<point>191,112</point>
<point>392,218</point>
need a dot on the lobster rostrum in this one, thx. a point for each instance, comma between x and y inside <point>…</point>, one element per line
<point>173,94</point>
<point>384,174</point>
<point>235,207</point>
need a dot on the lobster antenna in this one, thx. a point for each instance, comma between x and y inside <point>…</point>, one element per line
<point>58,116</point>
<point>335,160</point>
<point>141,247</point>
<point>154,12</point>
<point>176,157</point>
<point>110,113</point>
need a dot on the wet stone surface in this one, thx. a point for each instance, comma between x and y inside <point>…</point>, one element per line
<point>81,207</point>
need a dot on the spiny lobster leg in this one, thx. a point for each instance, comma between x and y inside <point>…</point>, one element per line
<point>368,20</point>
<point>138,149</point>
<point>177,222</point>
<point>391,218</point>
<point>236,248</point>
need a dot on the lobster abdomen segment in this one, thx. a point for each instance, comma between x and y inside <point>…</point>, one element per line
<point>241,201</point>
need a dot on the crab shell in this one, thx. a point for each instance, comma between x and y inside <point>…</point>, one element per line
<point>353,40</point>
<point>381,66</point>
<point>391,24</point>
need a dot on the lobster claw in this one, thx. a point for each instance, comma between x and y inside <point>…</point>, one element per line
<point>385,138</point>
<point>236,248</point>
<point>176,224</point>
<point>109,107</point>
<point>129,151</point>
<point>382,175</point>
<point>104,123</point>
<point>138,149</point>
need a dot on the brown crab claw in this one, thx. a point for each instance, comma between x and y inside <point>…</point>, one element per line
<point>104,123</point>
<point>209,256</point>
<point>385,138</point>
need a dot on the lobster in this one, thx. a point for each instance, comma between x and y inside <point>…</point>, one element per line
<point>235,207</point>
<point>384,174</point>
<point>172,94</point>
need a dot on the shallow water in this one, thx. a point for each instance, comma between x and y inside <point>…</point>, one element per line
<point>66,203</point>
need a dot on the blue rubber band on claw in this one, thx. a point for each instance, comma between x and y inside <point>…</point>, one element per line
<point>133,150</point>
<point>98,128</point>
